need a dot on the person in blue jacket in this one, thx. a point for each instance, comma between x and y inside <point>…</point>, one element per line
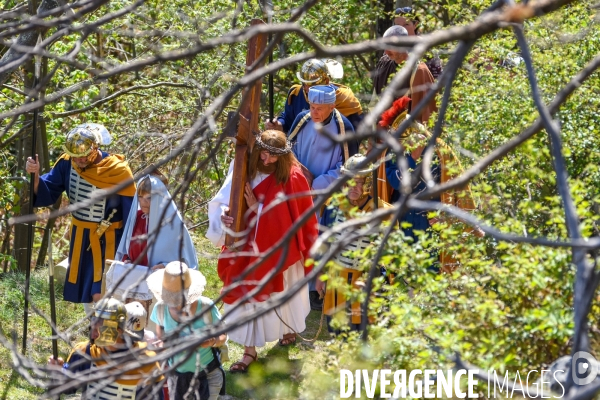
<point>85,172</point>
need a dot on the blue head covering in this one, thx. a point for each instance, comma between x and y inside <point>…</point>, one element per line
<point>321,94</point>
<point>168,237</point>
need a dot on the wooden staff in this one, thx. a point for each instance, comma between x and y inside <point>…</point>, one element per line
<point>244,139</point>
<point>52,298</point>
<point>36,81</point>
<point>375,191</point>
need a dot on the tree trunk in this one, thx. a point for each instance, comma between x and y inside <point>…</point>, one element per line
<point>47,235</point>
<point>28,39</point>
<point>386,20</point>
<point>45,165</point>
<point>21,244</point>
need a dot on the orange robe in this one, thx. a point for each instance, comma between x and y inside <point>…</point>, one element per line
<point>420,83</point>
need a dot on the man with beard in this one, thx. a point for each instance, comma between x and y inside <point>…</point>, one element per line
<point>273,171</point>
<point>85,172</point>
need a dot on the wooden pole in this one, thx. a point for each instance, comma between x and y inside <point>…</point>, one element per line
<point>244,139</point>
<point>52,298</point>
<point>36,80</point>
<point>269,10</point>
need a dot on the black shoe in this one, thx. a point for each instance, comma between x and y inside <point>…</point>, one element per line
<point>316,303</point>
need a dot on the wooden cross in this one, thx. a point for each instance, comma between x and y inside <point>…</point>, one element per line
<point>244,139</point>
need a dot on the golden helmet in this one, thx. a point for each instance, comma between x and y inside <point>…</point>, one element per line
<point>83,139</point>
<point>415,127</point>
<point>314,72</point>
<point>113,314</point>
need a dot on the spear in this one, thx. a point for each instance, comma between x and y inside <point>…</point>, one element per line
<point>375,191</point>
<point>36,80</point>
<point>52,298</point>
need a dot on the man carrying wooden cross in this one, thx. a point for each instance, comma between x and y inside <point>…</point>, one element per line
<point>272,171</point>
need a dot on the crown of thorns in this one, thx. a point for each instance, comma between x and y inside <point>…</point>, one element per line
<point>276,151</point>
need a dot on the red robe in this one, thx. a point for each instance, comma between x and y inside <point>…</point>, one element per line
<point>138,242</point>
<point>272,226</point>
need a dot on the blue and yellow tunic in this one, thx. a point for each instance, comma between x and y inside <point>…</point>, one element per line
<point>88,251</point>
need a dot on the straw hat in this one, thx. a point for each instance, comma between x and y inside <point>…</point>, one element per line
<point>176,284</point>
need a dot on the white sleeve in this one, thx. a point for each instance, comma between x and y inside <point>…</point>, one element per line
<point>216,208</point>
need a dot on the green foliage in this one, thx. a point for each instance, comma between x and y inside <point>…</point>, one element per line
<point>39,346</point>
<point>507,307</point>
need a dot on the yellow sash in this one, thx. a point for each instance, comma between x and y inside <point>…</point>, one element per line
<point>110,171</point>
<point>335,299</point>
<point>96,248</point>
<point>135,377</point>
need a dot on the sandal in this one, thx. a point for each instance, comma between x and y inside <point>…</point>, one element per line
<point>241,366</point>
<point>288,339</point>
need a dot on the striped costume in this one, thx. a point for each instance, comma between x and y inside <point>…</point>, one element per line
<point>88,251</point>
<point>136,383</point>
<point>335,301</point>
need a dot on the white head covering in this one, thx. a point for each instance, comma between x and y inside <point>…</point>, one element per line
<point>136,319</point>
<point>168,237</point>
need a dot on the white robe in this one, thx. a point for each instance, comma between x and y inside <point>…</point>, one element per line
<point>268,327</point>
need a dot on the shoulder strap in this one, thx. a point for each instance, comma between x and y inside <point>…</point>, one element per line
<point>206,302</point>
<point>160,313</point>
<point>340,121</point>
<point>294,91</point>
<point>299,126</point>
